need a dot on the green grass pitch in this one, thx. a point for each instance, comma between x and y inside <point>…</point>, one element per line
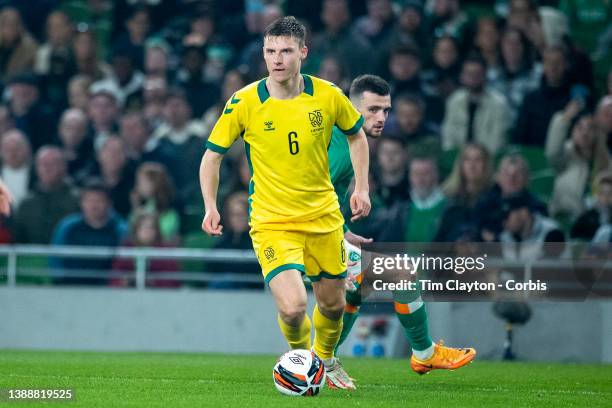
<point>197,380</point>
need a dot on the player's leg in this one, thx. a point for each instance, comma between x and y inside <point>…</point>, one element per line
<point>327,316</point>
<point>410,311</point>
<point>281,256</point>
<point>426,355</point>
<point>353,297</point>
<point>290,297</point>
<point>325,260</point>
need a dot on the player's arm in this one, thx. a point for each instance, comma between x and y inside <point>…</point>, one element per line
<point>209,183</point>
<point>360,200</point>
<point>225,132</point>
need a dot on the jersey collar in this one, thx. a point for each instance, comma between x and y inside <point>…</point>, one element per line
<point>262,90</point>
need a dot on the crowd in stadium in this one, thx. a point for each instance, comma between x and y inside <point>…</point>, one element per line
<point>501,127</point>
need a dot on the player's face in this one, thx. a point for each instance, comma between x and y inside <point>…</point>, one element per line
<point>375,110</point>
<point>283,56</point>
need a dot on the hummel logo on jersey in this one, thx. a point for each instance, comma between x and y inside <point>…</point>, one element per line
<point>316,118</point>
<point>233,101</point>
<point>269,125</point>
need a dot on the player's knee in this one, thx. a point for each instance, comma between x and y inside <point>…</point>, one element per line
<point>332,308</point>
<point>293,313</point>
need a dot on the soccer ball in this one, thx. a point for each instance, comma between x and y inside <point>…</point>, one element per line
<point>299,372</point>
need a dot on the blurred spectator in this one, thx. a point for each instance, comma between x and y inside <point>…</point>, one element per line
<point>336,39</point>
<point>157,59</point>
<point>600,213</point>
<point>418,218</point>
<point>78,92</point>
<point>159,13</point>
<point>185,136</point>
<point>471,178</point>
<point>103,112</point>
<point>202,30</point>
<point>59,31</point>
<point>76,147</point>
<point>17,47</point>
<point>235,236</point>
<point>125,80</point>
<point>475,112</point>
<point>486,40</point>
<point>50,201</point>
<point>442,78</point>
<point>116,172</point>
<point>30,114</point>
<point>406,77</point>
<point>86,56</point>
<point>377,24</point>
<point>95,225</point>
<point>153,192</point>
<point>155,91</point>
<point>540,105</point>
<point>445,17</point>
<point>512,178</point>
<point>16,171</point>
<point>577,161</point>
<point>392,181</point>
<point>587,19</point>
<point>408,122</point>
<point>523,15</point>
<point>6,121</point>
<point>200,93</point>
<point>603,119</point>
<point>517,73</point>
<point>332,70</point>
<point>410,28</point>
<point>145,232</point>
<point>427,202</point>
<point>135,131</point>
<point>132,41</point>
<point>525,231</point>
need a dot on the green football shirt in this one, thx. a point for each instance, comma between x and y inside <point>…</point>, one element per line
<point>340,167</point>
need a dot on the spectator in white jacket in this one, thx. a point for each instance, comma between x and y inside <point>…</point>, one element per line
<point>475,112</point>
<point>576,159</point>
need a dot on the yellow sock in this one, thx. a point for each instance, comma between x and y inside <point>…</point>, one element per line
<point>297,337</point>
<point>327,334</point>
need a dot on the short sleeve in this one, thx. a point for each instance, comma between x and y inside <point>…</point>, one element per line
<point>348,119</point>
<point>229,126</point>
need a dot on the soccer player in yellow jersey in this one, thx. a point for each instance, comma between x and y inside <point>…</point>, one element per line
<point>286,122</point>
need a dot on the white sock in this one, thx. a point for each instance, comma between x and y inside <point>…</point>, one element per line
<point>328,362</point>
<point>424,354</point>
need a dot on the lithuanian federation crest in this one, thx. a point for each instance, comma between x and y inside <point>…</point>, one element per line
<point>316,118</point>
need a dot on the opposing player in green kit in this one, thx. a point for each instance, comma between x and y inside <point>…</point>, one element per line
<point>370,94</point>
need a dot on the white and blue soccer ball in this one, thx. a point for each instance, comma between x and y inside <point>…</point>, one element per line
<point>299,372</point>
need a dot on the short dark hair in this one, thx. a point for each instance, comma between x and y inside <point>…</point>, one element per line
<point>411,98</point>
<point>394,138</point>
<point>287,26</point>
<point>475,58</point>
<point>94,185</point>
<point>370,83</point>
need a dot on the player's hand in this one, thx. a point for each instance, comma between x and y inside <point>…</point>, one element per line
<point>5,200</point>
<point>349,283</point>
<point>360,205</point>
<point>212,223</point>
<point>355,239</point>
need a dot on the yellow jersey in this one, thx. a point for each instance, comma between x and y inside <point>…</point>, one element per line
<point>286,143</point>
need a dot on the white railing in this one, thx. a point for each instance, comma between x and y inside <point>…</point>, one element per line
<point>141,257</point>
